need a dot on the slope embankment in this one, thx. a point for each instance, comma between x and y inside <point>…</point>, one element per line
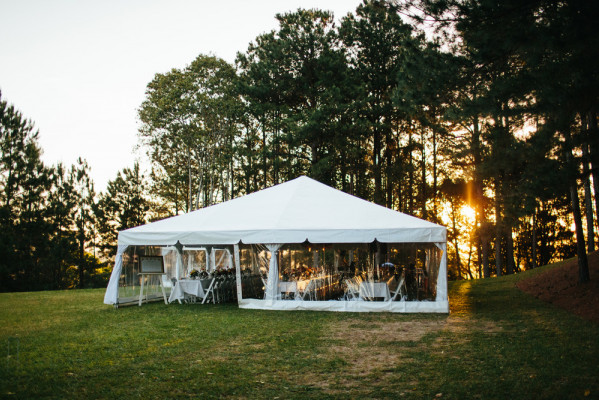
<point>560,287</point>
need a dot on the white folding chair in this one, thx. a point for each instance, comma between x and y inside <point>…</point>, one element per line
<point>398,291</point>
<point>308,291</point>
<point>352,292</point>
<point>209,292</point>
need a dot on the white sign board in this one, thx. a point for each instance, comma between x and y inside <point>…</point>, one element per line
<point>152,265</point>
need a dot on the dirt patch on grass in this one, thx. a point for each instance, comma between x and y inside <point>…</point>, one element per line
<point>369,351</point>
<point>560,286</point>
<point>372,352</point>
<point>366,351</point>
<point>396,331</point>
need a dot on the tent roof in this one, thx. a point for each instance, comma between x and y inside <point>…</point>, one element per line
<point>292,212</point>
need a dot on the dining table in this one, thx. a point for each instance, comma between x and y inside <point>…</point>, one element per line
<point>371,290</point>
<point>288,289</point>
<point>193,287</point>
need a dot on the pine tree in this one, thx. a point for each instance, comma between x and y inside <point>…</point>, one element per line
<point>123,205</point>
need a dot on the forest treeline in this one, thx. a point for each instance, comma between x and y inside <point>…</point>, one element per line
<point>479,115</point>
<point>55,231</point>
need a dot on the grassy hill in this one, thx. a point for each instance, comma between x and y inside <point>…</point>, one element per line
<point>498,342</point>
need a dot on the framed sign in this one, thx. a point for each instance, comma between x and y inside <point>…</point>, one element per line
<point>151,265</point>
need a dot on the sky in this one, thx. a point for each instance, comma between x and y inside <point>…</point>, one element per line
<point>79,69</point>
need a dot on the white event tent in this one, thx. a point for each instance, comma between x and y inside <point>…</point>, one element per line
<point>334,231</point>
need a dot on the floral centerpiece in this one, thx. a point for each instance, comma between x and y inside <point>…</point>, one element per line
<point>224,272</point>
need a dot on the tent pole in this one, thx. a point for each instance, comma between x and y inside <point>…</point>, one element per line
<point>237,272</point>
<point>179,263</point>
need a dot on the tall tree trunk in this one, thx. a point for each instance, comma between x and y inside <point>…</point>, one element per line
<point>479,254</point>
<point>498,256</point>
<point>544,255</point>
<point>189,181</point>
<point>264,159</point>
<point>455,241</point>
<point>423,172</point>
<point>276,148</point>
<point>534,239</point>
<point>388,183</point>
<point>588,201</point>
<point>176,199</point>
<point>593,135</point>
<point>482,230</point>
<point>81,252</point>
<point>314,161</point>
<point>468,265</point>
<point>410,176</point>
<point>231,171</point>
<point>510,265</point>
<point>211,188</point>
<point>435,173</point>
<point>376,165</point>
<point>498,229</point>
<point>389,149</point>
<point>343,171</point>
<point>583,264</point>
<point>485,250</point>
<point>399,195</point>
<point>200,178</point>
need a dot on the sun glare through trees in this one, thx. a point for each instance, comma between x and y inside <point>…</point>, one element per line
<point>469,214</point>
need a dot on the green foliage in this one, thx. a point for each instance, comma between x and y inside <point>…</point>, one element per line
<point>296,84</point>
<point>188,128</point>
<point>378,43</point>
<point>123,205</point>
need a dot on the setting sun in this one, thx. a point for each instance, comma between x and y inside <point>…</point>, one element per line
<point>468,213</point>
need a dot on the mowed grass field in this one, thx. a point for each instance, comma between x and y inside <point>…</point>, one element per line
<point>497,343</point>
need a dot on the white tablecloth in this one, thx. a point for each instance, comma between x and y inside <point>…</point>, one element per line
<point>287,287</point>
<point>374,289</point>
<point>317,282</point>
<point>309,287</point>
<point>194,287</point>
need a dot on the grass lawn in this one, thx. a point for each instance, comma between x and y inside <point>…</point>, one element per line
<point>497,343</point>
